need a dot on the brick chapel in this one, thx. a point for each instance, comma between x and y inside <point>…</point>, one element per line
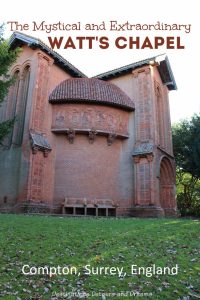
<point>98,146</point>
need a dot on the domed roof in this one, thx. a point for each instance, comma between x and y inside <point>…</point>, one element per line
<point>91,90</point>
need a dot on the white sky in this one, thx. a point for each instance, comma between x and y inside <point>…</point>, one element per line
<point>185,63</point>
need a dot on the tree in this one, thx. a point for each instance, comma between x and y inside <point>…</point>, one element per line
<point>188,193</point>
<point>7,58</point>
<point>186,142</point>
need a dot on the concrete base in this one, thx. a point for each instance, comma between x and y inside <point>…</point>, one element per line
<point>30,207</point>
<point>124,212</point>
<point>148,211</point>
<point>172,212</point>
<point>137,211</point>
<point>154,212</point>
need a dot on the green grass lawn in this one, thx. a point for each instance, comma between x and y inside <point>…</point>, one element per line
<point>74,243</point>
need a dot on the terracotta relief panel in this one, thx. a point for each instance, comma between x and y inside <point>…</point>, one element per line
<point>90,117</point>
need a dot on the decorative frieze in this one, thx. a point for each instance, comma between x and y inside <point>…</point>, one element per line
<point>100,118</point>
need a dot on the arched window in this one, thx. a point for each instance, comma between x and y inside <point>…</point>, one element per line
<point>9,110</point>
<point>21,108</point>
<point>160,116</point>
<point>167,184</point>
<point>14,95</point>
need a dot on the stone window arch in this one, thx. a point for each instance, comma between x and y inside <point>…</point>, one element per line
<point>160,116</point>
<point>10,104</point>
<point>21,107</point>
<point>167,184</point>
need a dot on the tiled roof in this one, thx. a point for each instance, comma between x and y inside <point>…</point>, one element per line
<point>163,67</point>
<point>18,39</point>
<point>90,90</point>
<point>162,62</point>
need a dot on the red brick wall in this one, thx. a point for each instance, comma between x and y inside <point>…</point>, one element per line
<point>91,171</point>
<point>86,170</point>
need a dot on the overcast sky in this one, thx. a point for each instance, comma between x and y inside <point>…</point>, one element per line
<point>185,63</point>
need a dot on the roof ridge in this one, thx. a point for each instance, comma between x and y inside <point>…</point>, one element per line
<point>36,41</point>
<point>163,66</point>
<point>133,64</point>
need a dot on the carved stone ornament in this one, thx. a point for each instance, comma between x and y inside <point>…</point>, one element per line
<point>71,135</point>
<point>150,157</point>
<point>46,153</point>
<point>34,149</point>
<point>111,138</point>
<point>143,148</point>
<point>39,143</point>
<point>136,159</point>
<point>92,135</point>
